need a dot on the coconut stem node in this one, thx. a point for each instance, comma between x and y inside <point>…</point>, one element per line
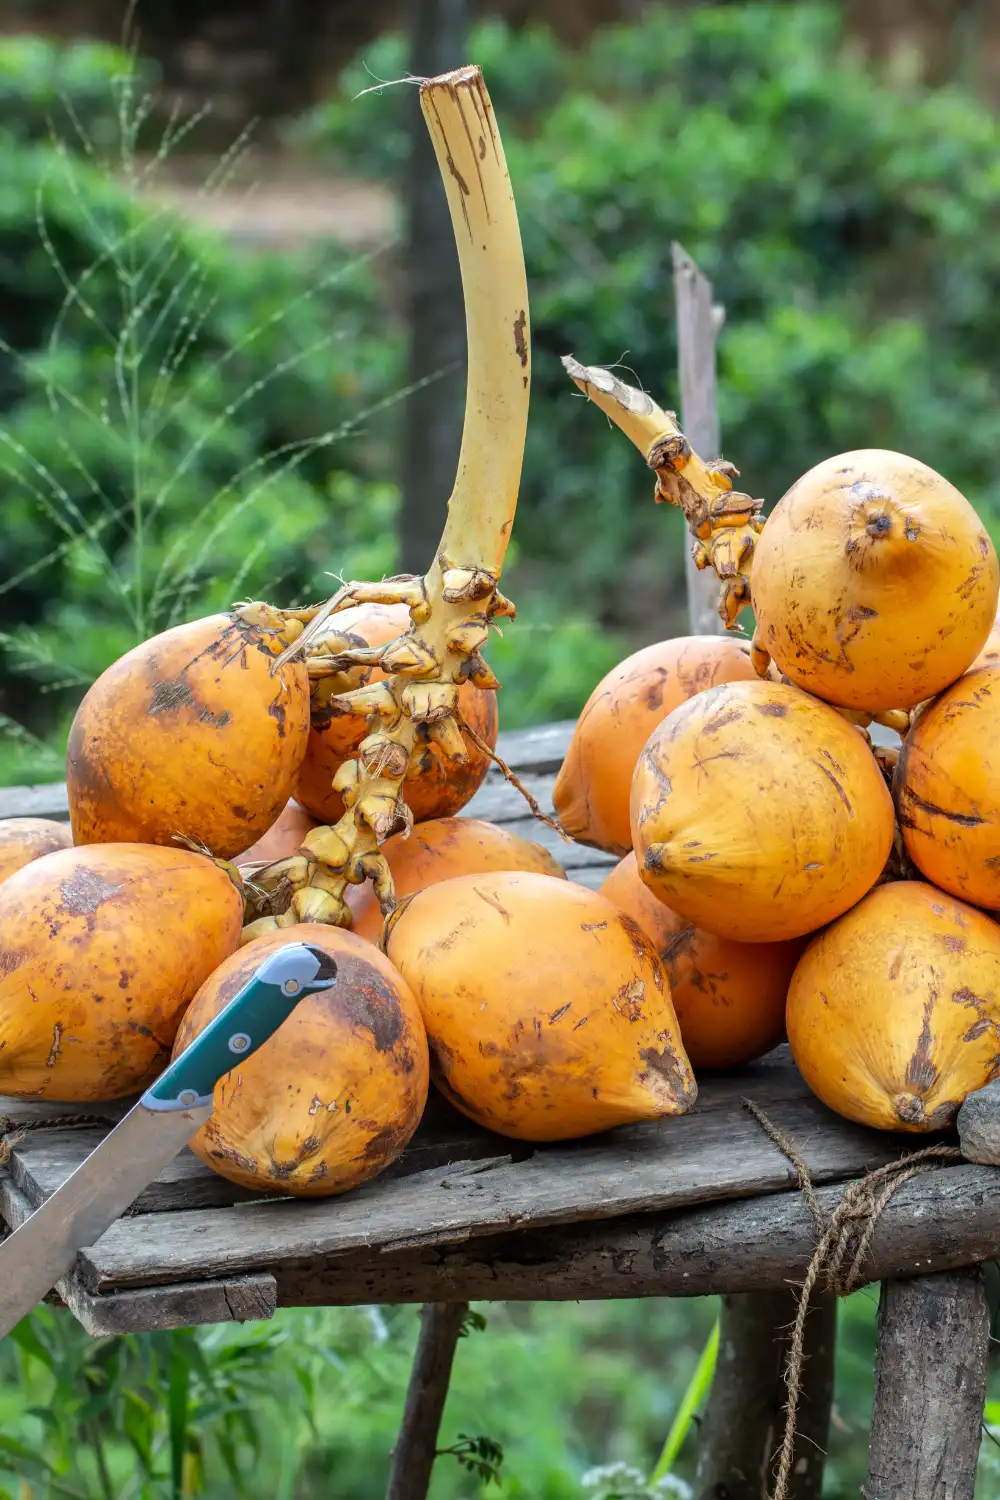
<point>453,606</point>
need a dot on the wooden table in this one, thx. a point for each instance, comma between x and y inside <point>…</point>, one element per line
<point>701,1204</point>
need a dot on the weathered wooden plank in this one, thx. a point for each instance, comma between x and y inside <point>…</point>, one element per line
<point>538,751</point>
<point>43,1159</point>
<point>946,1219</point>
<point>570,855</point>
<point>930,1388</point>
<point>44,801</point>
<point>234,1299</point>
<point>710,1155</point>
<point>497,801</point>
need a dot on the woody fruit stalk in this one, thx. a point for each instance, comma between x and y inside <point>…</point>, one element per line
<point>454,605</point>
<point>725,524</point>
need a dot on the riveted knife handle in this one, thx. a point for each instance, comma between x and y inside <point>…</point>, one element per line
<point>251,1017</point>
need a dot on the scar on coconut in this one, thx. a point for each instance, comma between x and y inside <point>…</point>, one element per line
<point>194,735</point>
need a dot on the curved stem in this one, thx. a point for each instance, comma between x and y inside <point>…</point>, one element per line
<point>452,606</point>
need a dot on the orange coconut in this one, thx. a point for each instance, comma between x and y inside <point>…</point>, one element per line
<point>947,789</point>
<point>894,1011</point>
<point>729,996</point>
<point>437,787</point>
<point>759,813</point>
<point>282,839</point>
<point>101,949</point>
<point>336,1093</point>
<point>547,1010</point>
<point>874,582</point>
<point>592,789</point>
<point>441,849</point>
<point>190,734</point>
<point>989,656</point>
<point>25,839</point>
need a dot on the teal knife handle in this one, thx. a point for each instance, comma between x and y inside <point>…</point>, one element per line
<point>251,1017</point>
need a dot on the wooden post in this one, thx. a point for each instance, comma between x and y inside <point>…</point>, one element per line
<point>413,1455</point>
<point>698,324</point>
<point>930,1388</point>
<point>744,1419</point>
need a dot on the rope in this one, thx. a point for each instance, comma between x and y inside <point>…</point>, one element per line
<point>12,1132</point>
<point>845,1241</point>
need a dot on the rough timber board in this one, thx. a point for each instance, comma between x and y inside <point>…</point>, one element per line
<point>536,752</point>
<point>715,1154</point>
<point>946,1219</point>
<point>236,1299</point>
<point>43,1159</point>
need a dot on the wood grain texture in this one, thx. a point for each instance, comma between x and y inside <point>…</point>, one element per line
<point>930,1387</point>
<point>716,1154</point>
<point>234,1299</point>
<point>416,1447</point>
<point>535,751</point>
<point>949,1218</point>
<point>456,1181</point>
<point>45,801</point>
<point>744,1419</point>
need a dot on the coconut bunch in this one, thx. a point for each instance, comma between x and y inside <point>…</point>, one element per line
<point>267,776</point>
<point>797,880</point>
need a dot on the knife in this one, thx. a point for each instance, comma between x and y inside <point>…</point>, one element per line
<point>173,1109</point>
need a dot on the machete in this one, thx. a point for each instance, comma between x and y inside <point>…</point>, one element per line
<point>173,1109</point>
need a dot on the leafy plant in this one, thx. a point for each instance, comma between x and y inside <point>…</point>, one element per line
<point>180,420</point>
<point>846,222</point>
<point>481,1456</point>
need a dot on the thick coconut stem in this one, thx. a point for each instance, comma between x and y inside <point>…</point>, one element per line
<point>453,605</point>
<point>724,523</point>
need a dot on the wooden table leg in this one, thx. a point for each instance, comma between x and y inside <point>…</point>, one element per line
<point>744,1419</point>
<point>414,1453</point>
<point>930,1388</point>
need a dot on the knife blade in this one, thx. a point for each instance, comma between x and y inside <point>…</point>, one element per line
<point>173,1109</point>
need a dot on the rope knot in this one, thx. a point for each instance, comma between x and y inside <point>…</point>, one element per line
<point>842,1248</point>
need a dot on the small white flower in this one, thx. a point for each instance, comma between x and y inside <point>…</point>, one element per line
<point>671,1485</point>
<point>607,1475</point>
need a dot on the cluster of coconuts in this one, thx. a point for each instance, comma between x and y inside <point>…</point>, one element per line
<point>543,1011</point>
<point>796,880</point>
<point>765,886</point>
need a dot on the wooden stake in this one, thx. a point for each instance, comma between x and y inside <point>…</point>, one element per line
<point>930,1388</point>
<point>413,1455</point>
<point>744,1418</point>
<point>698,324</point>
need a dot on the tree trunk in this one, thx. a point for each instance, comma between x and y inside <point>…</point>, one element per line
<point>433,414</point>
<point>930,1388</point>
<point>744,1421</point>
<point>413,1455</point>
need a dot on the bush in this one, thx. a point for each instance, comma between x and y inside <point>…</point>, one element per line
<point>181,422</point>
<point>848,227</point>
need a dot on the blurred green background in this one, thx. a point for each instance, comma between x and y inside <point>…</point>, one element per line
<point>191,415</point>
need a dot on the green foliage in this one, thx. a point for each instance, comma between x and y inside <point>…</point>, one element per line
<point>180,421</point>
<point>307,1407</point>
<point>848,227</point>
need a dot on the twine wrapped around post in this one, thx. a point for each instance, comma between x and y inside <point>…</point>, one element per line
<point>844,1242</point>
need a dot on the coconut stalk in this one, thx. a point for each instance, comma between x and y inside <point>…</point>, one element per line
<point>453,606</point>
<point>724,523</point>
